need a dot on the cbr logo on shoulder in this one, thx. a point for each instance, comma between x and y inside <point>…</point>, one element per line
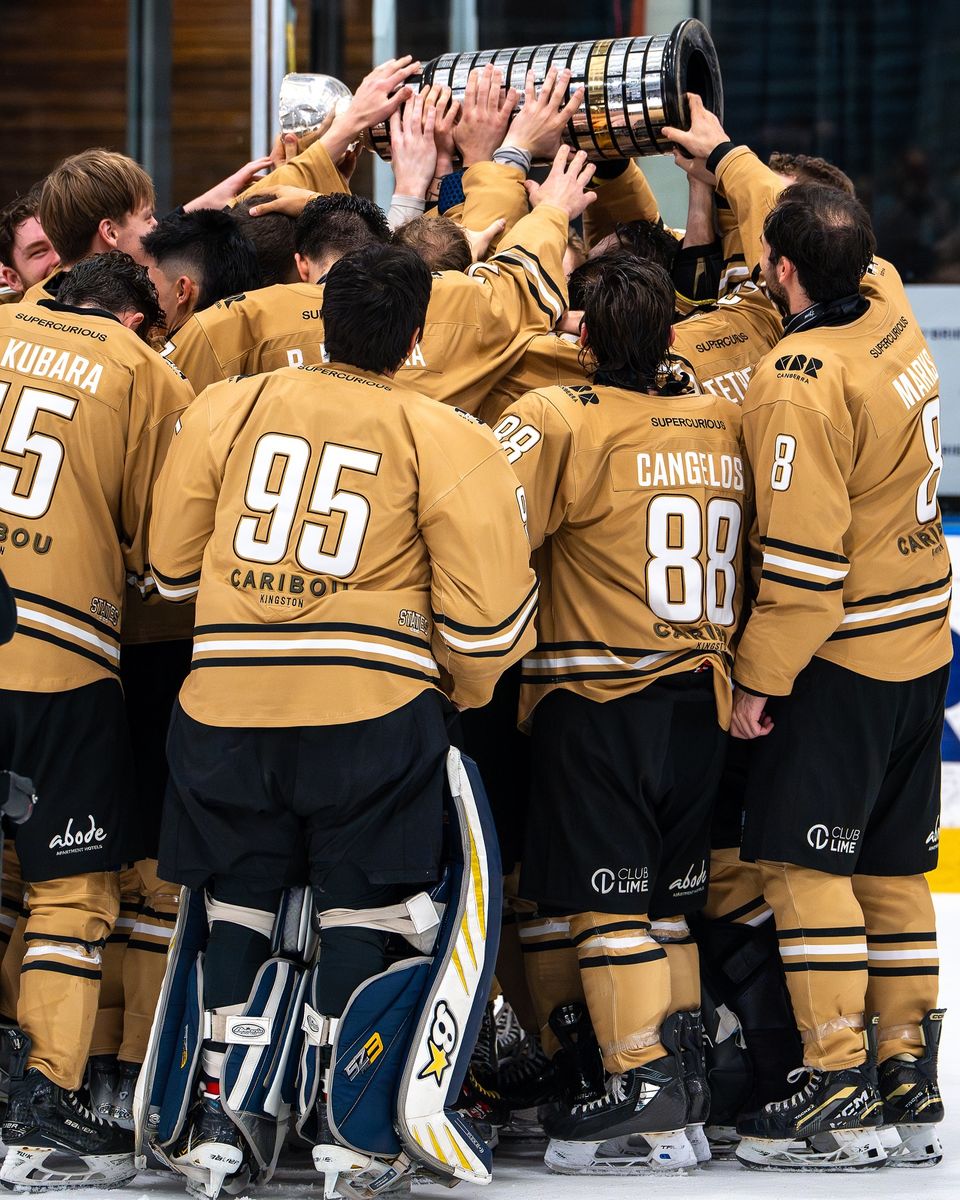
<point>626,880</point>
<point>441,1042</point>
<point>68,840</point>
<point>838,840</point>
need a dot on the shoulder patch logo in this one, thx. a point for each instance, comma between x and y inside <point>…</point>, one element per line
<point>799,364</point>
<point>582,392</point>
<point>462,412</point>
<point>225,303</point>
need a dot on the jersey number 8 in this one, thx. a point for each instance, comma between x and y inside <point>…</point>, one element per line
<point>679,590</point>
<point>274,484</point>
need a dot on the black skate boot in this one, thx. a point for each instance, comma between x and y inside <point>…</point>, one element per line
<point>102,1077</point>
<point>831,1123</point>
<point>121,1111</point>
<point>729,1076</point>
<point>212,1152</point>
<point>580,1073</point>
<point>912,1104</point>
<point>54,1139</point>
<point>637,1124</point>
<point>682,1033</point>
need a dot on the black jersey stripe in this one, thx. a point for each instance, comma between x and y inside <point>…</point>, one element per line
<point>622,960</point>
<point>151,947</point>
<point>831,585</point>
<point>547,279</point>
<point>61,969</point>
<point>75,613</point>
<point>41,635</point>
<point>743,910</point>
<point>292,627</point>
<point>306,660</point>
<point>914,591</point>
<point>825,932</point>
<point>613,927</point>
<point>809,551</point>
<point>902,937</point>
<point>825,966</point>
<point>174,581</point>
<point>890,626</point>
<point>574,675</point>
<point>460,627</point>
<point>506,649</point>
<point>900,971</point>
<point>530,947</point>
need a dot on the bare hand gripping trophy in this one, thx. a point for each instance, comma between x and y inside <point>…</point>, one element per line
<point>633,86</point>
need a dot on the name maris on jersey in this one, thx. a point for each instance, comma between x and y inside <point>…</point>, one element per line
<point>917,381</point>
<point>690,468</point>
<point>46,362</point>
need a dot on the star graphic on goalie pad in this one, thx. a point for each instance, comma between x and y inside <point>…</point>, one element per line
<point>437,1065</point>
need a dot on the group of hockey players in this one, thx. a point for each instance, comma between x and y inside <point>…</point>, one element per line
<point>305,509</point>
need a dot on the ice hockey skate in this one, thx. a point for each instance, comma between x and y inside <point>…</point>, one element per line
<point>211,1152</point>
<point>912,1105</point>
<point>637,1125</point>
<point>682,1033</point>
<point>102,1078</point>
<point>121,1109</point>
<point>55,1140</point>
<point>832,1123</point>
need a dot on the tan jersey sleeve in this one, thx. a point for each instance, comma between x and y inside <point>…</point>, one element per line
<point>751,189</point>
<point>483,592</point>
<point>491,190</point>
<point>162,396</point>
<point>734,270</point>
<point>628,197</point>
<point>185,502</point>
<point>312,169</point>
<point>539,443</point>
<point>801,457</point>
<point>190,351</point>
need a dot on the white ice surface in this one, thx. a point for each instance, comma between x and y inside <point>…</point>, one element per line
<point>523,1177</point>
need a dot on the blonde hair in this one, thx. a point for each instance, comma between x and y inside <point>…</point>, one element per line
<point>84,189</point>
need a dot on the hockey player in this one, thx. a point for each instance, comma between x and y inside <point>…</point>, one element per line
<point>26,255</point>
<point>635,492</point>
<point>353,544</point>
<point>196,259</point>
<point>845,651</point>
<point>87,410</point>
<point>477,325</point>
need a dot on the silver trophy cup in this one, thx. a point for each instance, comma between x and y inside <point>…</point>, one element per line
<point>633,86</point>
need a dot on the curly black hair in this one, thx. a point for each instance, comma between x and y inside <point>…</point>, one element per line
<point>113,281</point>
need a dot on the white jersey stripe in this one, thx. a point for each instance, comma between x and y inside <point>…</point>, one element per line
<point>83,635</point>
<point>794,564</point>
<point>895,609</point>
<point>295,644</point>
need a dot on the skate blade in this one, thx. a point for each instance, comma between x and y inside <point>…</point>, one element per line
<point>839,1150</point>
<point>723,1141</point>
<point>698,1141</point>
<point>912,1145</point>
<point>210,1167</point>
<point>639,1154</point>
<point>24,1170</point>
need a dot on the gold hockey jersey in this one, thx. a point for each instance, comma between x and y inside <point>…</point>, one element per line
<point>350,542</point>
<point>841,426</point>
<point>637,505</point>
<point>477,323</point>
<point>721,348</point>
<point>86,413</point>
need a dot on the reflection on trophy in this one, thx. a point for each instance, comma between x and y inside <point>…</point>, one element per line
<point>307,100</point>
<point>634,86</point>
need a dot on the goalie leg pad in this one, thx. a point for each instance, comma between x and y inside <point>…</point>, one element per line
<point>261,1037</point>
<point>426,1012</point>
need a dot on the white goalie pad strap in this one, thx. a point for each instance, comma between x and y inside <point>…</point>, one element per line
<point>319,1030</point>
<point>235,914</point>
<point>416,919</point>
<point>237,1030</point>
